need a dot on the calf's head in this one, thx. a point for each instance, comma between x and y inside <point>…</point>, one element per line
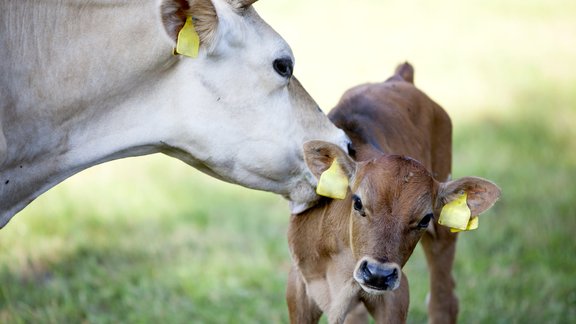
<point>391,201</point>
<point>240,114</point>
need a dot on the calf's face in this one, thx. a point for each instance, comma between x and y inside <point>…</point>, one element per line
<point>392,205</point>
<point>392,200</point>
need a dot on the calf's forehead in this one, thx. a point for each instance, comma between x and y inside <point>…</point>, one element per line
<point>391,180</point>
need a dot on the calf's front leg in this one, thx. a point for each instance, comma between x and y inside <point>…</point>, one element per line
<point>301,307</point>
<point>440,249</point>
<point>391,307</point>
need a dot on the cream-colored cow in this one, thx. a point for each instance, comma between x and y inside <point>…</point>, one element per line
<point>88,81</point>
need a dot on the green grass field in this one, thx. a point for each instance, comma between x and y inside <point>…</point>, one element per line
<point>150,240</point>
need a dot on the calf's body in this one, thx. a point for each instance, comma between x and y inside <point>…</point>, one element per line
<point>396,117</point>
<point>350,252</point>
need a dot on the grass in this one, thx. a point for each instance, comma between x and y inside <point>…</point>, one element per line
<point>151,240</point>
<point>148,258</point>
<point>519,266</point>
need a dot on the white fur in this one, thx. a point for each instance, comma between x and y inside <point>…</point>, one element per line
<point>83,83</point>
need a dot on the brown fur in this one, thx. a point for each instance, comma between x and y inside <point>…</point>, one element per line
<point>422,130</point>
<point>328,240</point>
<point>386,122</point>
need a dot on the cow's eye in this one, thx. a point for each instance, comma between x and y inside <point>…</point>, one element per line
<point>283,66</point>
<point>426,220</point>
<point>357,204</point>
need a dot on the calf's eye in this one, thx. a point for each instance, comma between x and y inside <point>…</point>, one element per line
<point>425,221</point>
<point>357,204</point>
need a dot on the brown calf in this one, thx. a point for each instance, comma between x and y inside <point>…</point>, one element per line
<point>350,252</point>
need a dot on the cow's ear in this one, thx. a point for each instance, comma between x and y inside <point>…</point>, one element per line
<point>481,194</point>
<point>243,4</point>
<point>320,155</point>
<point>204,17</point>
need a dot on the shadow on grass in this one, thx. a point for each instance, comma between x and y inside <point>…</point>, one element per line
<point>519,266</point>
<point>171,283</point>
<point>526,274</point>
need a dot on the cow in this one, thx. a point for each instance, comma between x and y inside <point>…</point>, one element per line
<point>349,253</point>
<point>83,82</point>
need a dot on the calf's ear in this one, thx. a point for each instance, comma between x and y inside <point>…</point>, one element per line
<point>481,193</point>
<point>320,155</point>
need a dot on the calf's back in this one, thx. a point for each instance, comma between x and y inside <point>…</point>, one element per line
<point>394,117</point>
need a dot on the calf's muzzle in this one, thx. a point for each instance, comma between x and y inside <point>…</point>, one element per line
<point>377,277</point>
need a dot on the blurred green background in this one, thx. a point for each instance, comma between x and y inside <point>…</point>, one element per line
<point>151,240</point>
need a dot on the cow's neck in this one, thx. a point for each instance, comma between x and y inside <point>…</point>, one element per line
<point>74,121</point>
<point>111,129</point>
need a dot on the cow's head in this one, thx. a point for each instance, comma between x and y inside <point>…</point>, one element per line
<point>391,201</point>
<point>241,115</point>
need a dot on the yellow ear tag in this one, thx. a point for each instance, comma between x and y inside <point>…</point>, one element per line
<point>472,225</point>
<point>333,182</point>
<point>455,214</point>
<point>188,40</point>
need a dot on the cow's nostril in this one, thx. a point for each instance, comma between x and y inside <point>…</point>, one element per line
<point>351,150</point>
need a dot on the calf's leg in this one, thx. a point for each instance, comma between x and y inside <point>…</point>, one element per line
<point>358,315</point>
<point>440,249</point>
<point>301,307</point>
<point>391,307</point>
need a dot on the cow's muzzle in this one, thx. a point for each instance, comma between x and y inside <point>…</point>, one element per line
<point>377,277</point>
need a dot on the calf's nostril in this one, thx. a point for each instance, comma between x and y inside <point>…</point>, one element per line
<point>377,275</point>
<point>393,274</point>
<point>364,267</point>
